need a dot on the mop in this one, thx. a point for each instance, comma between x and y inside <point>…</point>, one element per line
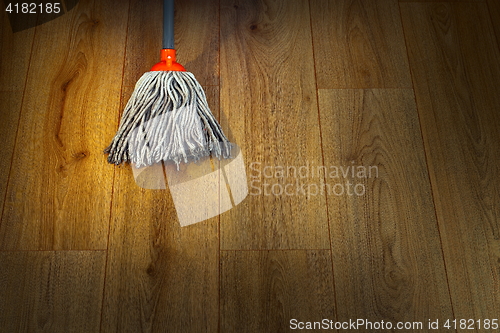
<point>167,118</point>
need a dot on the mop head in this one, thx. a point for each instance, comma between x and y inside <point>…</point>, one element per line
<point>167,119</point>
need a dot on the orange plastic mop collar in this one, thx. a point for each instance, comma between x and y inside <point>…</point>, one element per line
<point>168,62</point>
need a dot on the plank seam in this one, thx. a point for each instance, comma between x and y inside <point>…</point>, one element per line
<point>18,124</point>
<point>322,157</point>
<point>427,163</point>
<point>114,177</point>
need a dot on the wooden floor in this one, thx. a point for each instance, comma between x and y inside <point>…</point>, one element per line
<point>409,88</point>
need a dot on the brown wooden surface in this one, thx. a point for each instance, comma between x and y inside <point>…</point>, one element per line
<point>263,290</point>
<point>421,244</point>
<point>456,73</point>
<point>359,44</point>
<point>67,118</point>
<point>387,257</point>
<point>15,52</point>
<point>262,85</point>
<point>160,277</point>
<point>143,42</point>
<point>494,9</point>
<point>451,1</point>
<point>9,119</point>
<point>48,291</point>
<point>197,38</point>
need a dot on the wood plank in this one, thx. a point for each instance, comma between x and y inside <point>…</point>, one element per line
<point>262,291</point>
<point>15,51</point>
<point>441,1</point>
<point>60,186</point>
<point>143,39</point>
<point>196,39</point>
<point>48,291</point>
<point>9,119</point>
<point>160,277</point>
<point>494,9</point>
<point>269,102</point>
<point>387,257</point>
<point>359,44</point>
<point>456,72</point>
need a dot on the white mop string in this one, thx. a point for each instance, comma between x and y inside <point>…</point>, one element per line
<point>167,118</point>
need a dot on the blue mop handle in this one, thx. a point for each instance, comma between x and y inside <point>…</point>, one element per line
<point>168,24</point>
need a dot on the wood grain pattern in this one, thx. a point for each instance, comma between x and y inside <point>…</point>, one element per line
<point>197,38</point>
<point>15,51</point>
<point>9,119</point>
<point>160,277</point>
<point>261,291</point>
<point>270,105</point>
<point>143,39</point>
<point>60,187</point>
<point>47,291</point>
<point>359,44</point>
<point>494,9</point>
<point>456,73</point>
<point>387,258</point>
<point>390,254</point>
